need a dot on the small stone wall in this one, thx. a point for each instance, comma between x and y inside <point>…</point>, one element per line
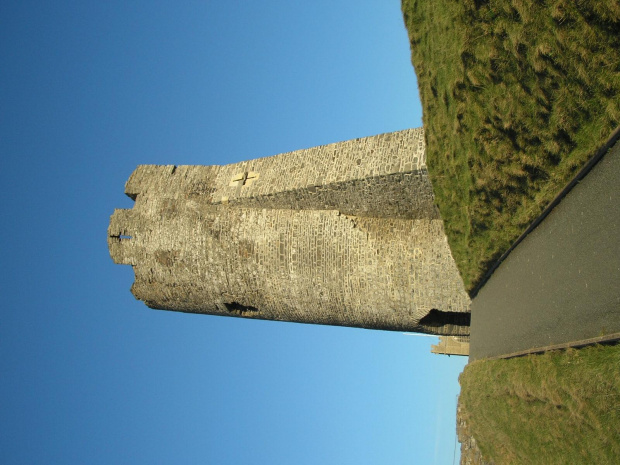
<point>452,345</point>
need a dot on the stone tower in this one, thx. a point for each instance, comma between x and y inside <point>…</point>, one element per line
<point>343,234</point>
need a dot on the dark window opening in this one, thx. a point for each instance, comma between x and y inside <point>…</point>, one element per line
<point>241,310</point>
<point>436,318</point>
<point>120,237</point>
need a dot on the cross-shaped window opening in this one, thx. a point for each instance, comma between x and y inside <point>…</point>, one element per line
<point>243,179</point>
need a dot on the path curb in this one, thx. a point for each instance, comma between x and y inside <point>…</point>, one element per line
<point>610,338</point>
<point>611,140</point>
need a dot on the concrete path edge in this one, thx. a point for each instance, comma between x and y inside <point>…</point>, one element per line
<point>607,339</point>
<point>612,139</point>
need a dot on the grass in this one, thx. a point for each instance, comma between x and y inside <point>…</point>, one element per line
<point>517,95</point>
<point>555,408</point>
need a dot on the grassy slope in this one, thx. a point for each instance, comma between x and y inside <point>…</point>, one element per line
<point>517,95</point>
<point>560,407</point>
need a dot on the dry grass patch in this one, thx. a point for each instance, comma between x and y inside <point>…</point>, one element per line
<point>556,408</point>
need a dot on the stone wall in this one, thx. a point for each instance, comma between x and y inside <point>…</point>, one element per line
<point>452,345</point>
<point>344,234</point>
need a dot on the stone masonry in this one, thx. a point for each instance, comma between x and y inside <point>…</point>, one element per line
<point>343,234</point>
<point>452,345</point>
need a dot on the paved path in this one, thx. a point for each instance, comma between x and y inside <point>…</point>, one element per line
<point>562,282</point>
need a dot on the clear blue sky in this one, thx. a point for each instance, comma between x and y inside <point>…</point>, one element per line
<point>89,90</point>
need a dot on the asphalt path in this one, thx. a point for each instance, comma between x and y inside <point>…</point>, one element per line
<point>562,282</point>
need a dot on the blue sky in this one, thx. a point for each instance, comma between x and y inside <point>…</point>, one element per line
<point>89,90</point>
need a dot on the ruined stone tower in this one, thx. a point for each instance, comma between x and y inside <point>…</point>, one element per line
<point>344,234</point>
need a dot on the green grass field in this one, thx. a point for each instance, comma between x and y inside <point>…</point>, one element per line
<point>517,95</point>
<point>555,408</point>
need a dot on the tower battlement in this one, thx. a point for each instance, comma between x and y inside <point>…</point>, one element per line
<point>343,234</point>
